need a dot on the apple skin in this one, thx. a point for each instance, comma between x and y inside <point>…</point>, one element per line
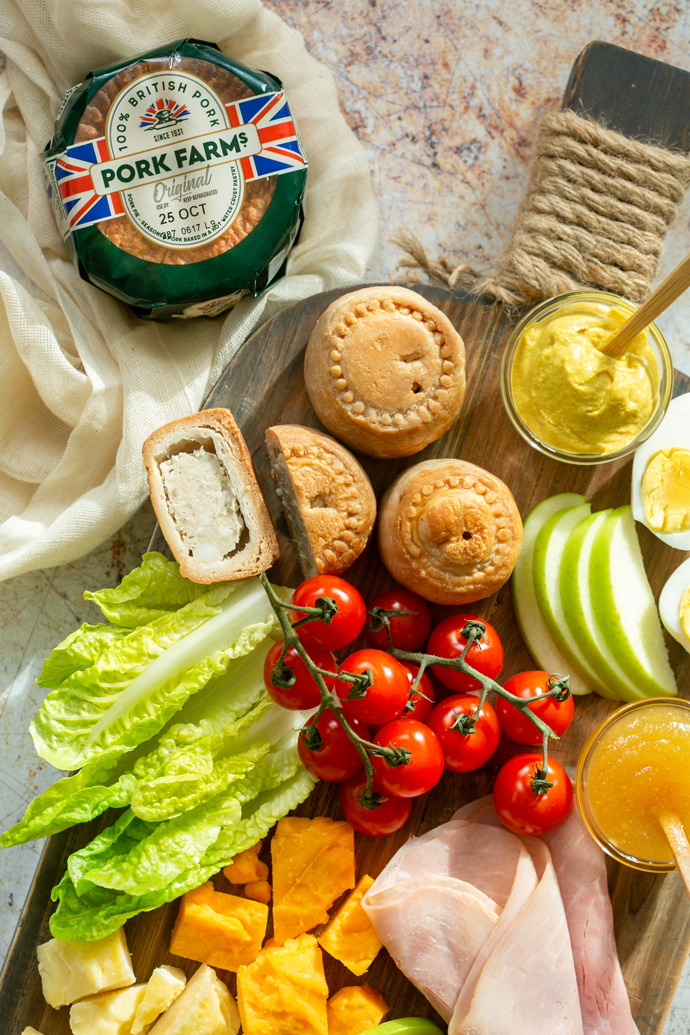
<point>546,565</point>
<point>615,550</point>
<point>576,604</point>
<point>529,619</point>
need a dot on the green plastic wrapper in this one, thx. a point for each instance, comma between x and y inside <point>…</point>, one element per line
<point>176,179</point>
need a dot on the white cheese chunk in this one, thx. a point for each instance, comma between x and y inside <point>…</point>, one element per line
<point>72,970</point>
<point>163,988</point>
<point>111,1013</point>
<point>202,504</point>
<point>30,1031</point>
<point>204,1008</point>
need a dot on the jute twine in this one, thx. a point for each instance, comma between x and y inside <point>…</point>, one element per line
<point>595,214</point>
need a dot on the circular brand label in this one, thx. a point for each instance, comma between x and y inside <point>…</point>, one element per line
<point>163,126</point>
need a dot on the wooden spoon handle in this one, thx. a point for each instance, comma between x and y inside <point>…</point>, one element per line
<point>668,291</point>
<point>678,843</point>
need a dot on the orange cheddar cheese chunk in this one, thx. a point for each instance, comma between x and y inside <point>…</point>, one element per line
<point>247,866</point>
<point>222,930</point>
<point>259,890</point>
<point>355,1009</point>
<point>284,991</point>
<point>349,935</point>
<point>313,864</point>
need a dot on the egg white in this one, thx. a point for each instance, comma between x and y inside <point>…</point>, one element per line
<point>669,602</point>
<point>672,433</point>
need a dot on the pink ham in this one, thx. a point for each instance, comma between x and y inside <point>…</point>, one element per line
<point>581,871</point>
<point>446,923</point>
<point>527,954</point>
<point>527,983</point>
<point>447,919</point>
<point>580,868</point>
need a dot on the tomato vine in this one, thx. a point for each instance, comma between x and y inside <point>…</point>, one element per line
<point>324,610</point>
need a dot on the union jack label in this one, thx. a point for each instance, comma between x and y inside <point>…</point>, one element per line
<point>160,187</point>
<point>71,189</point>
<point>281,147</point>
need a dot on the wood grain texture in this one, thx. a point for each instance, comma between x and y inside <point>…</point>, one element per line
<point>632,94</point>
<point>262,386</point>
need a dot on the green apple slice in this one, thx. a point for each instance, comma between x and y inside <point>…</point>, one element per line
<point>529,619</point>
<point>546,568</point>
<point>576,601</point>
<point>624,606</point>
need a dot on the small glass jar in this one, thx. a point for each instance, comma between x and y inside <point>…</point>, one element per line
<point>550,308</point>
<point>586,770</point>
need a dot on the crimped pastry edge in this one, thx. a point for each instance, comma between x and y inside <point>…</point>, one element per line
<point>392,553</point>
<point>288,435</point>
<point>353,429</point>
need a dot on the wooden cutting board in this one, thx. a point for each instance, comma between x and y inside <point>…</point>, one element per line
<point>263,385</point>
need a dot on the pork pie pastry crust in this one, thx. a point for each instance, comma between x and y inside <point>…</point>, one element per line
<point>121,231</point>
<point>326,495</point>
<point>450,531</point>
<point>385,371</point>
<point>207,499</point>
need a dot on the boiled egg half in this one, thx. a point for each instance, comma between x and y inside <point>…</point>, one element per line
<point>661,478</point>
<point>674,604</point>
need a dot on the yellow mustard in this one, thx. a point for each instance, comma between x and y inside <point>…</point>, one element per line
<point>574,397</point>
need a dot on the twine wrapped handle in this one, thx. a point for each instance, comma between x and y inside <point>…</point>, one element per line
<point>595,214</point>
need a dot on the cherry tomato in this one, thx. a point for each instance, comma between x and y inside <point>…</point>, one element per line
<point>408,631</point>
<point>464,752</point>
<point>390,816</point>
<point>346,624</point>
<point>338,759</point>
<point>516,804</point>
<point>388,693</point>
<point>304,692</point>
<point>425,767</point>
<point>423,697</point>
<point>447,641</point>
<point>556,714</point>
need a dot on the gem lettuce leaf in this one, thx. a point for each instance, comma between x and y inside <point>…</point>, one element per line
<point>164,714</point>
<point>75,799</point>
<point>99,911</point>
<point>136,856</point>
<point>140,680</point>
<point>177,772</point>
<point>148,592</point>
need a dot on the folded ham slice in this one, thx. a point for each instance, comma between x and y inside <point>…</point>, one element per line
<point>581,870</point>
<point>502,933</point>
<point>446,923</point>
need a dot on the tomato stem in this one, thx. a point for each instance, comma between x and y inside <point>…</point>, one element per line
<point>365,748</point>
<point>539,782</point>
<point>472,632</point>
<point>559,686</point>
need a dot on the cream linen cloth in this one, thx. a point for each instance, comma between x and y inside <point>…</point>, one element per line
<point>82,381</point>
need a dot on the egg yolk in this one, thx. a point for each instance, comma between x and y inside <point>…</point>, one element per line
<point>665,491</point>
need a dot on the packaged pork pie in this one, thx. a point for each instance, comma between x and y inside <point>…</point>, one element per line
<point>176,179</point>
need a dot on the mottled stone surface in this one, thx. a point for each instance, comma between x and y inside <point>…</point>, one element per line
<point>445,97</point>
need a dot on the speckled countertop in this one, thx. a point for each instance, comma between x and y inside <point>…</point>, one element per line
<point>445,97</point>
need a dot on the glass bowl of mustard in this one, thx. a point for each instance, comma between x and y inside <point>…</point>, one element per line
<point>572,402</point>
<point>634,765</point>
